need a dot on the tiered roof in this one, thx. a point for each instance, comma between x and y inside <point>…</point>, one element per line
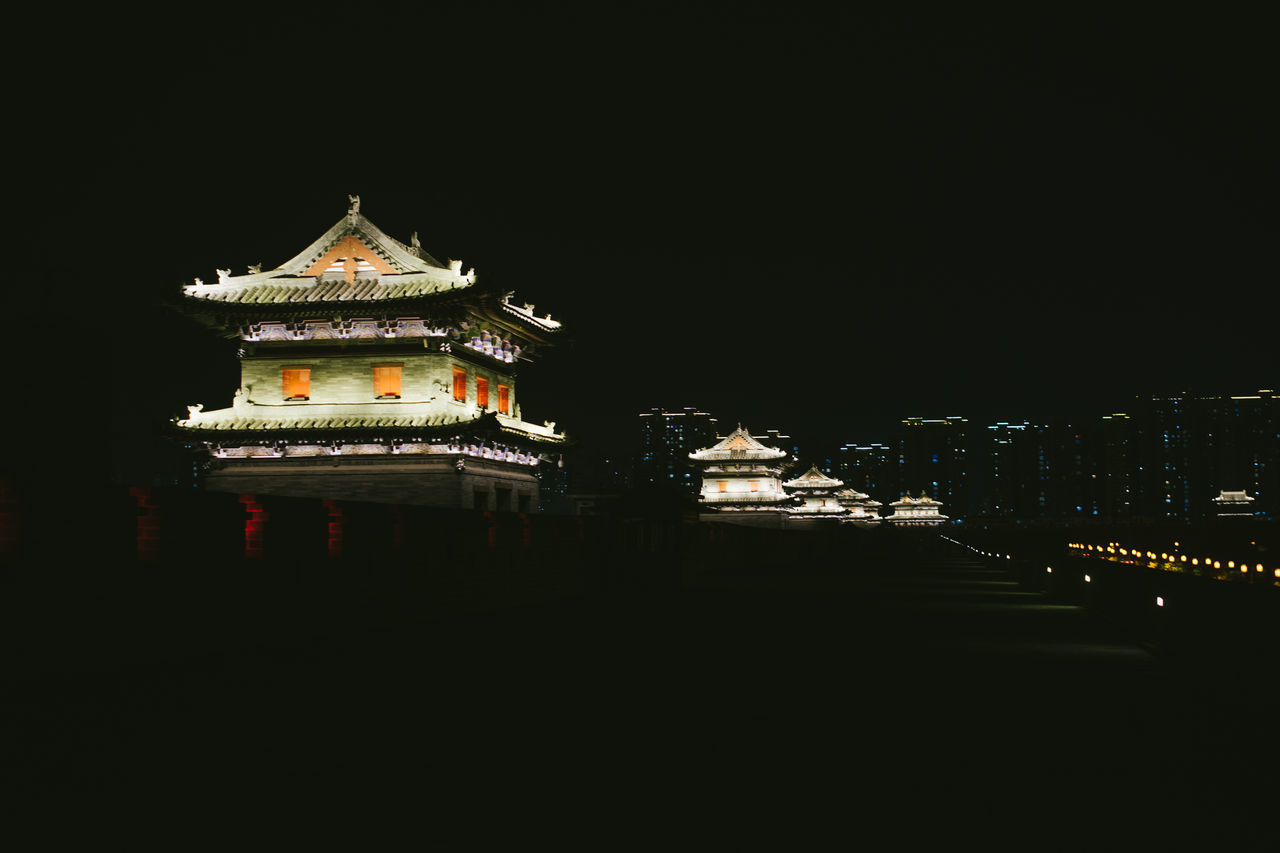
<point>357,270</point>
<point>737,445</point>
<point>227,425</point>
<point>813,479</point>
<point>922,501</point>
<point>921,510</point>
<point>358,265</point>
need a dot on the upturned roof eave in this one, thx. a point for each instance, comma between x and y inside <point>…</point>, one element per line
<point>439,298</point>
<point>483,426</point>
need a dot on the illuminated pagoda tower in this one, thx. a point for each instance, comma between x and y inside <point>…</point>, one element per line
<point>923,511</point>
<point>371,371</point>
<point>1238,504</point>
<point>860,506</point>
<point>740,474</point>
<point>818,495</point>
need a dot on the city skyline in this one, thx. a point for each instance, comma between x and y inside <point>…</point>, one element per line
<point>1171,458</point>
<point>809,222</point>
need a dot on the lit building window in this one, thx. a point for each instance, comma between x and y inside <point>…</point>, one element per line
<point>722,485</point>
<point>482,392</point>
<point>386,381</point>
<point>297,383</point>
<point>504,399</point>
<point>459,384</point>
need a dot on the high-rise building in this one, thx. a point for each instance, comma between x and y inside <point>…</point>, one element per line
<point>1190,448</point>
<point>371,371</point>
<point>1240,449</point>
<point>1119,488</point>
<point>666,438</point>
<point>1167,482</point>
<point>933,457</point>
<point>1066,487</point>
<point>869,468</point>
<point>1006,480</point>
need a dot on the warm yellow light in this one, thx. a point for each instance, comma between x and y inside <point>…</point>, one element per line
<point>1159,601</point>
<point>1244,568</point>
<point>1123,552</point>
<point>1164,556</point>
<point>1278,573</point>
<point>1183,558</point>
<point>1231,564</point>
<point>1175,544</point>
<point>1088,579</point>
<point>1194,561</point>
<point>1049,569</point>
<point>1259,566</point>
<point>1217,564</point>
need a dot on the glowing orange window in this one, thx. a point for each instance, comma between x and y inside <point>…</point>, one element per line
<point>482,392</point>
<point>755,485</point>
<point>386,381</point>
<point>723,485</point>
<point>504,399</point>
<point>297,383</point>
<point>459,384</point>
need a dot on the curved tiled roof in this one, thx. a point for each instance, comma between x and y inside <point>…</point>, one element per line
<point>738,444</point>
<point>233,422</point>
<point>813,479</point>
<point>388,272</point>
<point>407,271</point>
<point>310,290</point>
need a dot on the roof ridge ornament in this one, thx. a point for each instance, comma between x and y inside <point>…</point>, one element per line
<point>354,202</point>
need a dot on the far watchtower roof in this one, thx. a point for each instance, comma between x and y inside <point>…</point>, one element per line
<point>738,444</point>
<point>813,479</point>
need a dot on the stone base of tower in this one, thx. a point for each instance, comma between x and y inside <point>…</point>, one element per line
<point>770,518</point>
<point>421,480</point>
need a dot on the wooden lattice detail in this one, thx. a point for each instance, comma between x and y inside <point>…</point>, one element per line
<point>351,251</point>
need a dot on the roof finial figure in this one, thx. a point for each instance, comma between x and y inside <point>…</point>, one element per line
<point>254,269</point>
<point>414,241</point>
<point>223,275</point>
<point>355,203</point>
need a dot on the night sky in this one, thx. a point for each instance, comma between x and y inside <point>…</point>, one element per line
<point>817,222</point>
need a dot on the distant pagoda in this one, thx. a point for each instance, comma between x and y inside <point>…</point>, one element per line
<point>1233,504</point>
<point>818,495</point>
<point>369,370</point>
<point>859,505</point>
<point>923,511</point>
<point>740,474</point>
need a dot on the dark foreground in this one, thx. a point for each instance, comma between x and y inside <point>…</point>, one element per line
<point>921,697</point>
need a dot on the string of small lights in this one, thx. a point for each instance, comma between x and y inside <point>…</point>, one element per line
<point>1176,559</point>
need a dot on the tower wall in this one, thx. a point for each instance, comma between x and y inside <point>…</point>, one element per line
<point>420,480</point>
<point>346,377</point>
